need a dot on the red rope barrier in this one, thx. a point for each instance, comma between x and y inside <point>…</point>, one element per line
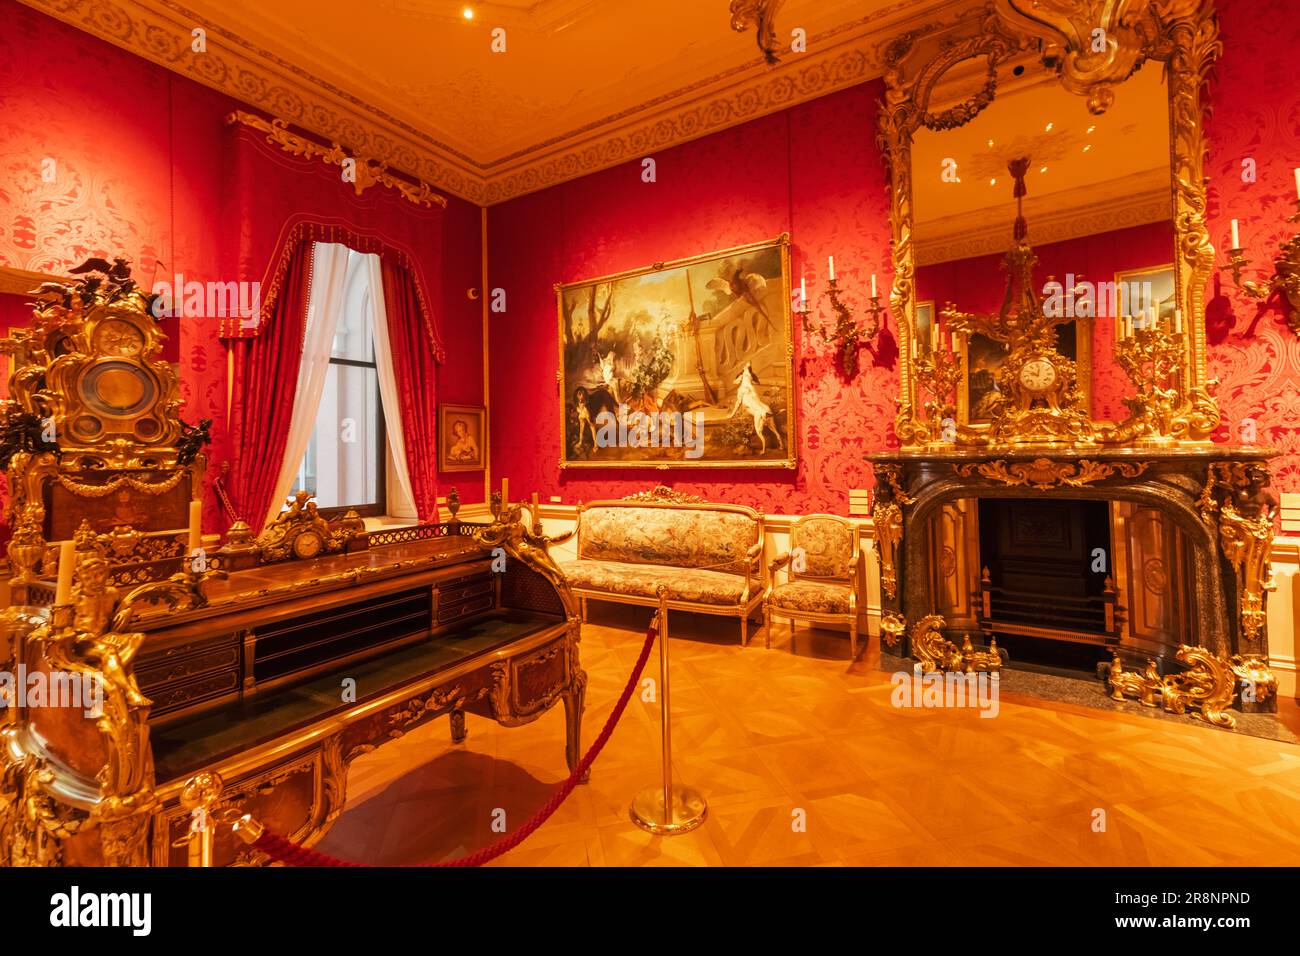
<point>291,854</point>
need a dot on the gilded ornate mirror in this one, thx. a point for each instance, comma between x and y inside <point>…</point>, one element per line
<point>1050,250</point>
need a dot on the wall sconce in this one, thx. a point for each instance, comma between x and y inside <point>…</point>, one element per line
<point>1284,281</point>
<point>847,335</point>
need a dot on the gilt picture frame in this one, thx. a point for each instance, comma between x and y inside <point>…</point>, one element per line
<point>681,364</point>
<point>461,437</point>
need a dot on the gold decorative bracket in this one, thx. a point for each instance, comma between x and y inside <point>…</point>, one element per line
<point>364,171</point>
<point>761,15</point>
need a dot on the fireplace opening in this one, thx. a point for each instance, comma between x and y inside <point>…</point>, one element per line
<point>1047,588</point>
<point>1062,583</point>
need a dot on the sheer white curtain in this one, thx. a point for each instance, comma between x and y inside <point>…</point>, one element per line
<point>329,272</point>
<point>399,505</point>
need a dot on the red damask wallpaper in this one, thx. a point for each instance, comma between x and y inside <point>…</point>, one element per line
<point>105,154</point>
<point>1255,129</point>
<point>813,171</point>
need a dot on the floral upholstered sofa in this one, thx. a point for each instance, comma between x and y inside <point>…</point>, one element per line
<point>708,555</point>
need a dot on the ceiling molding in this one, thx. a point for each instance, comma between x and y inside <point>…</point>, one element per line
<point>160,31</point>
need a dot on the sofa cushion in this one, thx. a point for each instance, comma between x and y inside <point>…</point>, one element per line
<point>812,597</point>
<point>680,537</point>
<point>643,580</point>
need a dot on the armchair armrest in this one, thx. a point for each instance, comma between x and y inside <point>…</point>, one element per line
<point>563,536</point>
<point>780,561</point>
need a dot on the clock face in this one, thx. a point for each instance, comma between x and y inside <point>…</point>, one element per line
<point>1038,375</point>
<point>307,545</point>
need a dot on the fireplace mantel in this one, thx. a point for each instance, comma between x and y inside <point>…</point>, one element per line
<point>1215,495</point>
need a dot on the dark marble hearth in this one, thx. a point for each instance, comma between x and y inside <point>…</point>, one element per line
<point>1094,694</point>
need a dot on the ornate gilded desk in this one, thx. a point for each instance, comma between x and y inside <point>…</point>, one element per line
<point>284,676</point>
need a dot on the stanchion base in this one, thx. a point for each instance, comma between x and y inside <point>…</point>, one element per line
<point>688,810</point>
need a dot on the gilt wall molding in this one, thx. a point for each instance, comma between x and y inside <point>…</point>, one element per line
<point>160,31</point>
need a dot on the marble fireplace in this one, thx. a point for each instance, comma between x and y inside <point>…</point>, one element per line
<point>1180,560</point>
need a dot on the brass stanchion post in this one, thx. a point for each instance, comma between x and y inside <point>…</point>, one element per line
<point>666,810</point>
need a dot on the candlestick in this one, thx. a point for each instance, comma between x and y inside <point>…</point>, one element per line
<point>1236,236</point>
<point>830,263</point>
<point>67,556</point>
<point>196,526</point>
<point>873,281</point>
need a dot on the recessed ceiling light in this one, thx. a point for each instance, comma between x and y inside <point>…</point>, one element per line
<point>993,181</point>
<point>1091,128</point>
<point>990,142</point>
<point>1042,169</point>
<point>1088,147</point>
<point>468,13</point>
<point>1049,127</point>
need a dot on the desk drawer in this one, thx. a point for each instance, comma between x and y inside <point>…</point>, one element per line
<point>450,613</point>
<point>462,589</point>
<point>191,672</point>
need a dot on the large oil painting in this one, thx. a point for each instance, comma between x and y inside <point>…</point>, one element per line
<point>682,364</point>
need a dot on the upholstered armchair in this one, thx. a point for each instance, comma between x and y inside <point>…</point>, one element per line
<point>823,567</point>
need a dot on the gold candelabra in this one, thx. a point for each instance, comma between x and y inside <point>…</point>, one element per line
<point>847,336</point>
<point>1152,357</point>
<point>1285,279</point>
<point>938,373</point>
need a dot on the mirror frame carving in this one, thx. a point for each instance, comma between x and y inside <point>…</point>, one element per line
<point>1181,34</point>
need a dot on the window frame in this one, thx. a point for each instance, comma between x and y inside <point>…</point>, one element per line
<point>380,506</point>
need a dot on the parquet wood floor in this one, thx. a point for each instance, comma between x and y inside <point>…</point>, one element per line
<point>774,736</point>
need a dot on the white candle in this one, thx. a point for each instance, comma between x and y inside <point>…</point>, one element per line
<point>934,337</point>
<point>1178,321</point>
<point>1236,237</point>
<point>196,526</point>
<point>952,343</point>
<point>67,557</point>
<point>803,293</point>
<point>1297,182</point>
<point>830,263</point>
<point>873,280</point>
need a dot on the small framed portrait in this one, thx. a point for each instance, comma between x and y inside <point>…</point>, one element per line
<point>461,437</point>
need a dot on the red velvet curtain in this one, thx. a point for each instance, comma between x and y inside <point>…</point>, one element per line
<point>285,203</point>
<point>265,378</point>
<point>415,369</point>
